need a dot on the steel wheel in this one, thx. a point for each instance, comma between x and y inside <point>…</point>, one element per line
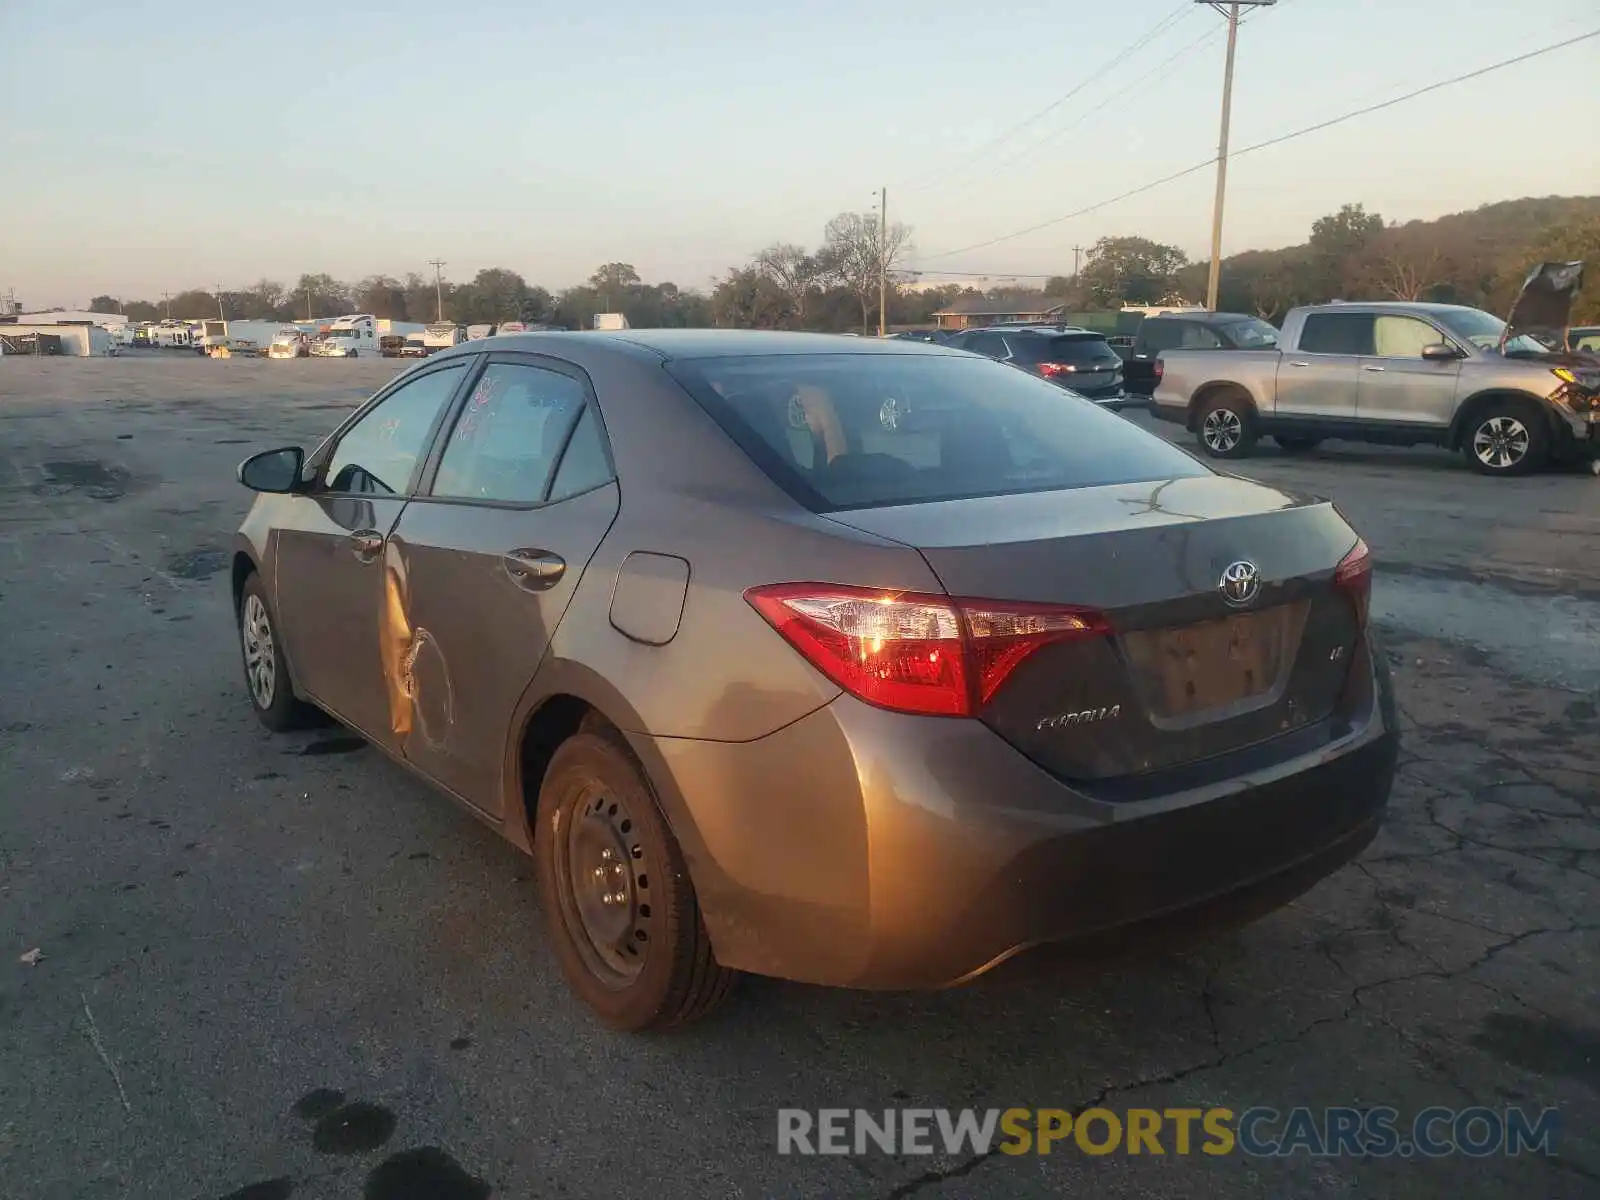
<point>260,651</point>
<point>1501,443</point>
<point>607,887</point>
<point>1222,431</point>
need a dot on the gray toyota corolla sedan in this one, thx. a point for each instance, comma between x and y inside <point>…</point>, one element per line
<point>858,662</point>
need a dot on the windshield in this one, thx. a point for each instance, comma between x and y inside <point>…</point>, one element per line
<point>1253,334</point>
<point>344,333</point>
<point>1484,330</point>
<point>840,431</point>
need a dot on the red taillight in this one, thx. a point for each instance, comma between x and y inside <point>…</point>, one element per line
<point>1161,368</point>
<point>1353,576</point>
<point>1049,369</point>
<point>914,652</point>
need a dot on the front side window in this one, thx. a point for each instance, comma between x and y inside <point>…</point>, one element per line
<point>1198,337</point>
<point>841,431</point>
<point>379,453</point>
<point>510,432</point>
<point>1403,337</point>
<point>1337,333</point>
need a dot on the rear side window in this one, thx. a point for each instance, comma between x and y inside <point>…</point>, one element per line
<point>840,431</point>
<point>1079,350</point>
<point>1156,335</point>
<point>1337,333</point>
<point>990,344</point>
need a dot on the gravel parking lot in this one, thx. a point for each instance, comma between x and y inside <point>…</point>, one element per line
<point>280,967</point>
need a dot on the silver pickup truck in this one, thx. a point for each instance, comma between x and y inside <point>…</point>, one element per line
<point>1397,373</point>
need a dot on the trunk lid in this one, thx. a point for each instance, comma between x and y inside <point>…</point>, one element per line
<point>1200,665</point>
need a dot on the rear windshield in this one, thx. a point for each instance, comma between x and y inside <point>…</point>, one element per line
<point>1078,349</point>
<point>1252,334</point>
<point>840,431</point>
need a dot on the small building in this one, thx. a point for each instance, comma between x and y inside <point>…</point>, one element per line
<point>74,340</point>
<point>66,316</point>
<point>975,312</point>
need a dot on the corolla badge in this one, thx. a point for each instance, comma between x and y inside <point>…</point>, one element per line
<point>1087,716</point>
<point>1240,583</point>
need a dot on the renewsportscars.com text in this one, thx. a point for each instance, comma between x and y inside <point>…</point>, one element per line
<point>1377,1132</point>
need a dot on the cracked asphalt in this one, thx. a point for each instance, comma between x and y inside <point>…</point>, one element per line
<point>278,968</point>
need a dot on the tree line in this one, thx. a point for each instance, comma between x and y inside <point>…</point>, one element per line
<point>1477,258</point>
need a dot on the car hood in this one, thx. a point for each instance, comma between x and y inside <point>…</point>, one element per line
<point>1545,301</point>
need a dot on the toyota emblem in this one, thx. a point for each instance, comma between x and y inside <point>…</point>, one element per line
<point>1240,583</point>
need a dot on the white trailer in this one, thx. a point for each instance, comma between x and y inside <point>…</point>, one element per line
<point>610,321</point>
<point>442,335</point>
<point>170,335</point>
<point>239,337</point>
<point>361,335</point>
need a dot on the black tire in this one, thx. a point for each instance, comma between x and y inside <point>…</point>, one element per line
<point>1225,426</point>
<point>645,963</point>
<point>274,703</point>
<point>1296,445</point>
<point>1506,437</point>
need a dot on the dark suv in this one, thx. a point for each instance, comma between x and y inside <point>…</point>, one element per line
<point>1079,361</point>
<point>1191,331</point>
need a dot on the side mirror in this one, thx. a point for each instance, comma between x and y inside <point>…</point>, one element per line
<point>1440,352</point>
<point>273,470</point>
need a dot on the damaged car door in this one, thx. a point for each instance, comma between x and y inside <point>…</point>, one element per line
<point>329,558</point>
<point>487,557</point>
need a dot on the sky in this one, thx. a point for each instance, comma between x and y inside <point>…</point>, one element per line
<point>147,147</point>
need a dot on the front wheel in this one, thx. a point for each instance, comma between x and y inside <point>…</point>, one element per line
<point>266,671</point>
<point>616,894</point>
<point>1226,427</point>
<point>1506,438</point>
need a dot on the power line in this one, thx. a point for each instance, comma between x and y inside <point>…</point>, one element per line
<point>1033,147</point>
<point>1277,141</point>
<point>1159,28</point>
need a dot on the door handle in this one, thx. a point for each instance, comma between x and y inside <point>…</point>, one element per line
<point>1299,364</point>
<point>1374,368</point>
<point>534,570</point>
<point>366,544</point>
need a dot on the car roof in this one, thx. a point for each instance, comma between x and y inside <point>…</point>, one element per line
<point>1203,317</point>
<point>669,344</point>
<point>1416,306</point>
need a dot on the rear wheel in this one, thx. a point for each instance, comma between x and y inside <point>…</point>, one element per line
<point>1296,445</point>
<point>1225,426</point>
<point>1506,437</point>
<point>617,897</point>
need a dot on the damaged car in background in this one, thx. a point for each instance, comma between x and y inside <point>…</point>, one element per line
<point>1403,373</point>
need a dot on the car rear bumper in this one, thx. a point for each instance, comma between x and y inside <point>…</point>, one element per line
<point>864,848</point>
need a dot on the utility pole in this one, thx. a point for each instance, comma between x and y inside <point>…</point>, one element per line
<point>1231,11</point>
<point>309,317</point>
<point>222,316</point>
<point>166,298</point>
<point>1077,260</point>
<point>438,285</point>
<point>883,261</point>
